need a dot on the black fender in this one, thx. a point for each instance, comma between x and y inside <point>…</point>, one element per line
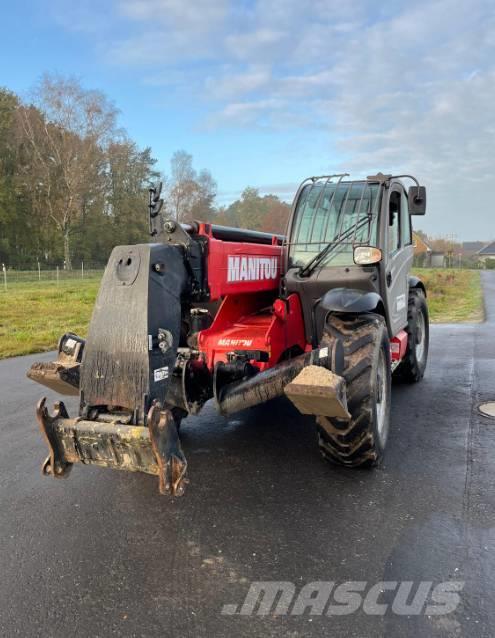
<point>415,282</point>
<point>352,301</point>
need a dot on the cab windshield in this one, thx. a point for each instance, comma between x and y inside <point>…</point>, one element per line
<point>344,214</point>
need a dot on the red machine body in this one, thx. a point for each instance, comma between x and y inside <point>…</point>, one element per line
<point>256,325</point>
<point>251,319</point>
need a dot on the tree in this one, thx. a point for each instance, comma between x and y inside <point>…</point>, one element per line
<point>445,245</point>
<point>72,185</point>
<point>203,207</point>
<point>246,211</point>
<point>190,195</point>
<point>182,185</point>
<point>66,131</point>
<point>276,215</point>
<point>130,172</point>
<point>8,106</point>
<point>252,211</point>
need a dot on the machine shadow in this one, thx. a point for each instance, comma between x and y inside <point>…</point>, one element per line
<point>255,456</point>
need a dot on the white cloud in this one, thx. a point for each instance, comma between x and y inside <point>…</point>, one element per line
<point>166,32</point>
<point>233,85</point>
<point>256,45</point>
<point>257,113</point>
<point>396,86</point>
<point>198,16</point>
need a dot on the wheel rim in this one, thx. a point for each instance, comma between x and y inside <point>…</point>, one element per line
<point>420,337</point>
<point>382,399</point>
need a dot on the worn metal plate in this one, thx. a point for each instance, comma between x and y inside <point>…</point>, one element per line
<point>121,447</point>
<point>59,378</point>
<point>123,364</point>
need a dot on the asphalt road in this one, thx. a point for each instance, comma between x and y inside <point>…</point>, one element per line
<point>103,554</point>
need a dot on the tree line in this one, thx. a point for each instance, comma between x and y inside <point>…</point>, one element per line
<point>73,184</point>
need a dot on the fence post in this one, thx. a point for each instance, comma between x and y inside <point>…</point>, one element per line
<point>57,275</point>
<point>39,271</point>
<point>82,269</point>
<point>4,276</point>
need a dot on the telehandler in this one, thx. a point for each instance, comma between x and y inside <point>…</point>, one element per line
<point>325,315</point>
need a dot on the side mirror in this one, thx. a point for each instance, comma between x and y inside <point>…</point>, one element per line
<point>416,197</point>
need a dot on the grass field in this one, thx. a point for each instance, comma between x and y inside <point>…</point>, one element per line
<point>34,315</point>
<point>454,296</point>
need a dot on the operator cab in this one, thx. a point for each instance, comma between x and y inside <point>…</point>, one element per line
<point>352,238</point>
<point>341,214</point>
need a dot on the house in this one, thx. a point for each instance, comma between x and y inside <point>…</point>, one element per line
<point>488,252</point>
<point>438,259</point>
<point>471,248</point>
<point>422,251</point>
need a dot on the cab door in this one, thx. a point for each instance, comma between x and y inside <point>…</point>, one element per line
<point>399,257</point>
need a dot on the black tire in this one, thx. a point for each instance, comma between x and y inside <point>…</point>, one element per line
<point>360,441</point>
<point>412,367</point>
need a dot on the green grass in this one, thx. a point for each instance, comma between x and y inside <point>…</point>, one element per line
<point>34,315</point>
<point>454,296</point>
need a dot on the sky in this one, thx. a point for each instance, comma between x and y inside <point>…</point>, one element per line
<point>268,93</point>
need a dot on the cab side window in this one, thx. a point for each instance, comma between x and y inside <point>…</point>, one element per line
<point>405,221</point>
<point>394,223</point>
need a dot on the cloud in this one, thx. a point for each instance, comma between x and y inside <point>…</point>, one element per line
<point>165,32</point>
<point>257,44</point>
<point>196,16</point>
<point>394,86</point>
<point>233,85</point>
<point>258,114</point>
<point>411,92</point>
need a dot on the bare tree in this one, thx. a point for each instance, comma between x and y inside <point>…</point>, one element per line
<point>66,130</point>
<point>182,187</point>
<point>190,195</point>
<point>203,207</point>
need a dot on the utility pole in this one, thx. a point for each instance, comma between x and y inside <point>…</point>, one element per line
<point>452,237</point>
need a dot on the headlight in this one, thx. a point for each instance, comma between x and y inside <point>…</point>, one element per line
<point>366,255</point>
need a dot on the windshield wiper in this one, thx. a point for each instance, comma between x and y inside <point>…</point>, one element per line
<point>310,267</point>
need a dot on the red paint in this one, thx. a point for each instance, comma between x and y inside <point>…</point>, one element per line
<point>254,322</point>
<point>246,276</point>
<point>237,268</point>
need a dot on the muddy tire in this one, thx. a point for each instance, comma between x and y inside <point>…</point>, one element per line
<point>412,367</point>
<point>360,441</point>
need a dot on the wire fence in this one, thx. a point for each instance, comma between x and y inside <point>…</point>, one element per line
<point>93,271</point>
<point>10,277</point>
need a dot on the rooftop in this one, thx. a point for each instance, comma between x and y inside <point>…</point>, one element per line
<point>488,250</point>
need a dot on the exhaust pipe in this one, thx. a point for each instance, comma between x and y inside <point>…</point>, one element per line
<point>272,383</point>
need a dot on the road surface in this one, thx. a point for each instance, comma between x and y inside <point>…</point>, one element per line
<point>103,554</point>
